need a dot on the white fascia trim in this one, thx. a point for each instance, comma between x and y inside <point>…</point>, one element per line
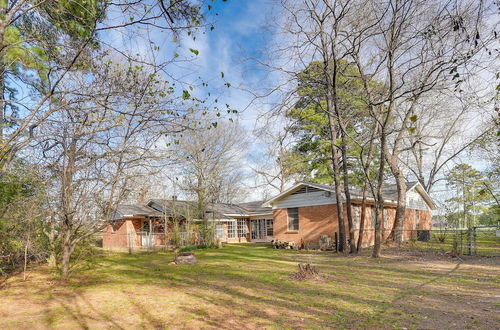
<point>424,194</point>
<point>213,220</point>
<point>291,189</point>
<point>247,215</point>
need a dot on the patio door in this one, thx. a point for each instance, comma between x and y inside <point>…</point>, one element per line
<point>258,229</point>
<point>146,237</point>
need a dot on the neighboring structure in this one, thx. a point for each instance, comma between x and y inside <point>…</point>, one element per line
<point>306,211</point>
<point>301,214</point>
<point>143,225</point>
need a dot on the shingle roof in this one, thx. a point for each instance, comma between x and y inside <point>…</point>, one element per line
<point>215,210</point>
<point>389,191</point>
<point>129,210</point>
<point>256,207</point>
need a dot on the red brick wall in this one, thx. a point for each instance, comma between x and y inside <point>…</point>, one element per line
<point>315,221</point>
<point>116,235</point>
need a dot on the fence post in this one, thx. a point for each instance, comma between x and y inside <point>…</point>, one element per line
<point>149,241</point>
<point>129,243</point>
<point>461,242</point>
<point>475,242</point>
<point>470,241</point>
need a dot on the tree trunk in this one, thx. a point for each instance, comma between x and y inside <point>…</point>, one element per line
<point>366,168</point>
<point>362,220</point>
<point>65,260</point>
<point>68,248</point>
<point>26,257</point>
<point>379,204</point>
<point>51,236</point>
<point>336,179</point>
<point>345,168</point>
<point>398,228</point>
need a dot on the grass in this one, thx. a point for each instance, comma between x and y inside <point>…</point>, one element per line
<point>247,286</point>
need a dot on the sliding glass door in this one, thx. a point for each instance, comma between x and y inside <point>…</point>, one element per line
<point>261,228</point>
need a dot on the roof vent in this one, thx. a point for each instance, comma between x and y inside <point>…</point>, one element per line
<point>305,190</point>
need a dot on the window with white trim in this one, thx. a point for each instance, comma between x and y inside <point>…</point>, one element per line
<point>242,227</point>
<point>374,218</point>
<point>269,227</point>
<point>293,219</point>
<point>219,231</point>
<point>417,219</point>
<point>231,229</point>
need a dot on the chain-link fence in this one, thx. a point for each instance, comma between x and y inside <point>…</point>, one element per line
<point>482,241</point>
<point>137,241</point>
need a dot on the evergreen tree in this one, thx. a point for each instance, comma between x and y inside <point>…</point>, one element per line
<point>468,183</point>
<point>310,123</point>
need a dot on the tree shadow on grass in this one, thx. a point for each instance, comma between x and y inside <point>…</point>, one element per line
<point>143,312</point>
<point>235,287</point>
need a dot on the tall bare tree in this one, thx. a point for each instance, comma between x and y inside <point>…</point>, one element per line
<point>276,166</point>
<point>210,161</point>
<point>111,121</point>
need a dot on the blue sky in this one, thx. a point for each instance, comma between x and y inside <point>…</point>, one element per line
<point>239,33</point>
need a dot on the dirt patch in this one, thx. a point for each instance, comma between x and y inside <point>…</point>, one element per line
<point>410,255</point>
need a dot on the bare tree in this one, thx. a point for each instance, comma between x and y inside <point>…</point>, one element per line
<point>112,118</point>
<point>314,30</point>
<point>41,43</point>
<point>448,126</point>
<point>210,164</point>
<point>276,166</point>
<point>410,47</point>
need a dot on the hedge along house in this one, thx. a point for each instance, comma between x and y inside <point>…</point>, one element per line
<point>144,225</point>
<point>307,211</point>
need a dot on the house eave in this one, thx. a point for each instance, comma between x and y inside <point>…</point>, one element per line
<point>236,215</point>
<point>391,202</point>
<point>421,190</point>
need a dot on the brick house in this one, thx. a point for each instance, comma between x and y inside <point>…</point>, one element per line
<point>301,214</point>
<point>306,211</point>
<point>143,225</point>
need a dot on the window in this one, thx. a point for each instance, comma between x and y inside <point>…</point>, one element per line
<point>145,226</point>
<point>219,231</point>
<point>355,217</point>
<point>374,218</point>
<point>293,219</point>
<point>242,227</point>
<point>269,227</point>
<point>386,219</point>
<point>231,229</point>
<point>417,219</point>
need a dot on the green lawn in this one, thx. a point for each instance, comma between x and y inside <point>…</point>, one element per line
<point>247,286</point>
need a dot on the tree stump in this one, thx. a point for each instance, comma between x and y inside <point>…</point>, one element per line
<point>306,271</point>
